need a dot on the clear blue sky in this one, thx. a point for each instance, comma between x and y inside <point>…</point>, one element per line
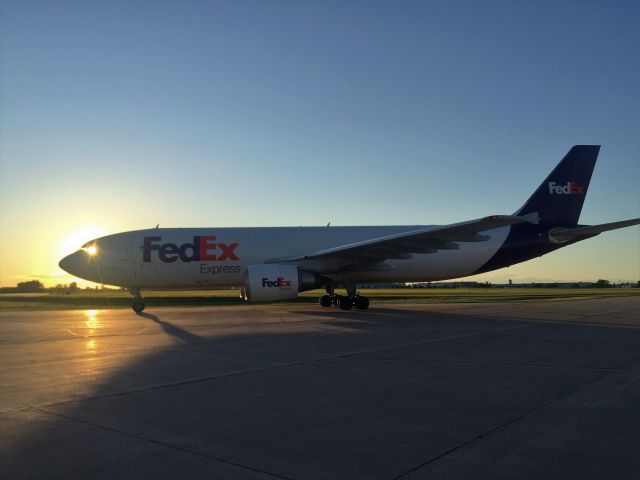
<point>117,115</point>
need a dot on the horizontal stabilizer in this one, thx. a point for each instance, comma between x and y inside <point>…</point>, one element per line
<point>561,235</point>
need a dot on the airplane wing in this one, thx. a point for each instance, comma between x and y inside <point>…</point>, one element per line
<point>370,253</point>
<point>579,233</point>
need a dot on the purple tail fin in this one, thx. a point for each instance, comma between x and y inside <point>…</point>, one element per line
<point>559,199</point>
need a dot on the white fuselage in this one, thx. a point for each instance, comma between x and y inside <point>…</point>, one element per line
<point>167,258</point>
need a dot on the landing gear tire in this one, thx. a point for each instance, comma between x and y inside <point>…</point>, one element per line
<point>326,300</point>
<point>138,306</point>
<point>361,303</point>
<point>345,303</point>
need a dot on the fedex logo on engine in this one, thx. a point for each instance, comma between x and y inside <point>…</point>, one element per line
<point>203,248</point>
<point>278,282</point>
<point>570,188</point>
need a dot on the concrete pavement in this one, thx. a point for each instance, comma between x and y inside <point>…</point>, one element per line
<point>508,390</point>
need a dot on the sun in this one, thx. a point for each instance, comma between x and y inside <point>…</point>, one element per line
<point>74,242</point>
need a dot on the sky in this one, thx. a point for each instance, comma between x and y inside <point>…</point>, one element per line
<point>120,115</point>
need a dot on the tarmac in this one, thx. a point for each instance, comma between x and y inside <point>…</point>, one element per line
<point>505,390</point>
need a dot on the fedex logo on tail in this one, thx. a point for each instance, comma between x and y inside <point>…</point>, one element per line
<point>570,188</point>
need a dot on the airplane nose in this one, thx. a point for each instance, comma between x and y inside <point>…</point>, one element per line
<point>74,263</point>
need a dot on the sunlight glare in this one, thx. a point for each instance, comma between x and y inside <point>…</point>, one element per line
<point>92,324</point>
<point>74,242</point>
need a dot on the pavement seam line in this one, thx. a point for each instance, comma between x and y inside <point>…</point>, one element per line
<point>157,442</point>
<point>282,365</point>
<point>515,419</point>
<point>431,340</point>
<point>567,322</point>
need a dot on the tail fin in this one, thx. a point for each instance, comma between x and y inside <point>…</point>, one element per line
<point>560,197</point>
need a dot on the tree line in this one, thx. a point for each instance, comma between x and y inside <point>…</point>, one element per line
<point>36,286</point>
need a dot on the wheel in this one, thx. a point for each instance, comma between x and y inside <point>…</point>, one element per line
<point>138,306</point>
<point>361,303</point>
<point>326,300</point>
<point>345,303</point>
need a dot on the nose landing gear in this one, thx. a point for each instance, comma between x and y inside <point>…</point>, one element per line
<point>351,300</point>
<point>138,301</point>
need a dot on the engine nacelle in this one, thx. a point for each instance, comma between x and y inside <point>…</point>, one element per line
<point>263,283</point>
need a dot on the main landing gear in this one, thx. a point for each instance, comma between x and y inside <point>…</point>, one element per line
<point>351,300</point>
<point>138,301</point>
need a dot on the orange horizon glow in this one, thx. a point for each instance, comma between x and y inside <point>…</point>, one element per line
<point>47,246</point>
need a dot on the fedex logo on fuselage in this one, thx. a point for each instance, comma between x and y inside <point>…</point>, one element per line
<point>203,249</point>
<point>570,188</point>
<point>278,282</point>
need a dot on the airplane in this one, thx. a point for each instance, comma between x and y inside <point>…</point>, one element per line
<point>276,263</point>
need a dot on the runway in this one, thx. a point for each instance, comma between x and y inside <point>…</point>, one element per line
<point>505,390</point>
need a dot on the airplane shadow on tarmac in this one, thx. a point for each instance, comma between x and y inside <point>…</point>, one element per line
<point>173,330</point>
<point>346,394</point>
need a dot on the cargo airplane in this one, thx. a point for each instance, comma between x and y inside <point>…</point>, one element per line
<point>275,263</point>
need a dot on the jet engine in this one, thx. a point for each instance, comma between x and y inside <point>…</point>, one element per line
<point>263,283</point>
